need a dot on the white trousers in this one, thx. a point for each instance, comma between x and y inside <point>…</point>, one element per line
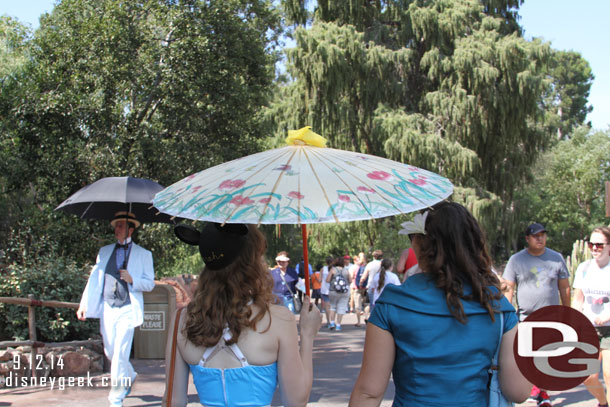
<point>117,327</point>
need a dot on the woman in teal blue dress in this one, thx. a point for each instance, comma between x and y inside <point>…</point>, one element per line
<point>438,332</point>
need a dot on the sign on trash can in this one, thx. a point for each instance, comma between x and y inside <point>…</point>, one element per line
<point>150,337</point>
<point>153,321</point>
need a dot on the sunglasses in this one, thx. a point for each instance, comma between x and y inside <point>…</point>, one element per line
<point>598,246</point>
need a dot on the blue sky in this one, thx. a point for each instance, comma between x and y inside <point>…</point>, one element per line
<point>567,24</point>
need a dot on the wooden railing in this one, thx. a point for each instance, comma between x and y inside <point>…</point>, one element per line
<point>33,343</point>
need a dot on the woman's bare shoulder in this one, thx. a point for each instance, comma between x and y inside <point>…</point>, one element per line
<point>190,352</point>
<point>281,313</point>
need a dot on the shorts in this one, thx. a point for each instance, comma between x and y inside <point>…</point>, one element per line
<point>325,297</point>
<point>338,302</point>
<point>603,332</point>
<point>315,293</point>
<point>358,298</point>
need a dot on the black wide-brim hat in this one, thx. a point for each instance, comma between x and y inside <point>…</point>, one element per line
<point>219,245</point>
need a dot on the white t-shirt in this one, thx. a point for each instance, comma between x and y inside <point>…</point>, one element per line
<point>373,268</point>
<point>390,278</point>
<point>595,285</point>
<point>324,287</point>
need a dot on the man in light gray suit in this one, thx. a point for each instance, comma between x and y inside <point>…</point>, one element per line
<point>123,271</point>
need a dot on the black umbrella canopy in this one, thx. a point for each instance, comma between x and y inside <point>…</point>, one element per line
<point>107,196</point>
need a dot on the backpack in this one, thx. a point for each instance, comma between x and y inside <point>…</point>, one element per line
<point>339,283</point>
<point>359,276</point>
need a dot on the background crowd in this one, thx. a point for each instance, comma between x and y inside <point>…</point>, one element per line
<point>535,277</point>
<point>343,285</point>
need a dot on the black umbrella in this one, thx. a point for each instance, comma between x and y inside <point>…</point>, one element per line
<point>107,196</point>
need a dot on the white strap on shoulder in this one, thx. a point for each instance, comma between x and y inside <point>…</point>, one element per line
<point>211,351</point>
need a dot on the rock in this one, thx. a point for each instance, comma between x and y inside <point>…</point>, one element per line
<point>184,285</point>
<point>74,364</point>
<point>97,347</point>
<point>6,355</point>
<point>97,365</point>
<point>51,357</point>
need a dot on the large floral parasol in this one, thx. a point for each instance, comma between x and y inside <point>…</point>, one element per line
<point>303,182</point>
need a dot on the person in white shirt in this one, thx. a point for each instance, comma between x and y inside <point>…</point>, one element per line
<point>325,290</point>
<point>592,298</point>
<point>381,279</point>
<point>370,270</point>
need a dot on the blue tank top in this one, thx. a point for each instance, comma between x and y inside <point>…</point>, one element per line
<point>245,386</point>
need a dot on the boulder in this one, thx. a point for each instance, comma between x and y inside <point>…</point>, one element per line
<point>6,355</point>
<point>74,364</point>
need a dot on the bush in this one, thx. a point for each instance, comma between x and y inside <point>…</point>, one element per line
<point>48,278</point>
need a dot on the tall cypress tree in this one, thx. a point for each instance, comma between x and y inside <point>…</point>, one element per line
<point>447,85</point>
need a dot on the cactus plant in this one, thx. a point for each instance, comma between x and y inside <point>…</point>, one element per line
<point>580,253</point>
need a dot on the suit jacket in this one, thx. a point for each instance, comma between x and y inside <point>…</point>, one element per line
<point>140,267</point>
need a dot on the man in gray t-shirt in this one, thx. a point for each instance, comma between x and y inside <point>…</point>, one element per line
<point>541,278</point>
<point>539,274</point>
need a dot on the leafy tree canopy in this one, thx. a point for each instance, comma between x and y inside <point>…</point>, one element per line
<point>150,88</point>
<point>566,99</point>
<point>567,195</point>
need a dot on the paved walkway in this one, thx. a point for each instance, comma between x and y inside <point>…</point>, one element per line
<point>337,360</point>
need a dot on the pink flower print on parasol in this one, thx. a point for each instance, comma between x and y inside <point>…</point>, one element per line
<point>417,181</point>
<point>241,200</point>
<point>231,183</point>
<point>379,175</point>
<point>295,195</point>
<point>366,190</point>
<point>265,200</point>
<point>344,198</point>
<point>283,167</point>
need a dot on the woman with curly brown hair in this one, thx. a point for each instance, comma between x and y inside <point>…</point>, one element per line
<point>234,340</point>
<point>438,332</point>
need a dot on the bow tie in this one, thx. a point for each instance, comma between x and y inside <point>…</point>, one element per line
<point>122,246</point>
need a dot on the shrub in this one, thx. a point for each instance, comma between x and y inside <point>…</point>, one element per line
<point>47,278</point>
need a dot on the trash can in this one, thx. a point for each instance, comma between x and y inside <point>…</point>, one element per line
<point>150,338</point>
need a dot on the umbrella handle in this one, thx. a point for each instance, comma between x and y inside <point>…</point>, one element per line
<point>305,259</point>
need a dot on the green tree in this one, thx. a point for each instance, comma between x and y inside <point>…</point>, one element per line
<point>149,88</point>
<point>447,85</point>
<point>567,96</point>
<point>567,195</point>
<point>14,38</point>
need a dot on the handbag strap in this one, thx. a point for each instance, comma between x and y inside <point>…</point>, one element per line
<point>286,284</point>
<point>172,363</point>
<point>494,363</point>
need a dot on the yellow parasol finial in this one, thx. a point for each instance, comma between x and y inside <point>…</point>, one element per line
<point>305,136</point>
